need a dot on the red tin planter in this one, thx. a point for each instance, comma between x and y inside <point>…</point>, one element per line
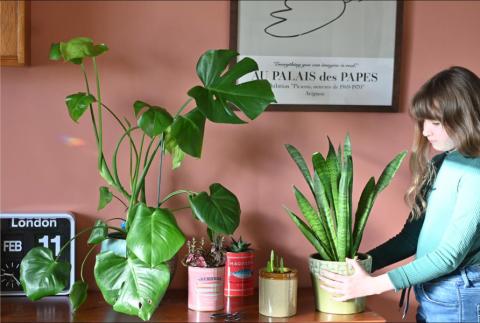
<point>239,278</point>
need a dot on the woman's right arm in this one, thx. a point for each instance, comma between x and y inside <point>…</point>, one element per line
<point>404,244</point>
<point>400,247</point>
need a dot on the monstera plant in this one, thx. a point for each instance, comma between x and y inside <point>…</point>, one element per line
<point>135,283</point>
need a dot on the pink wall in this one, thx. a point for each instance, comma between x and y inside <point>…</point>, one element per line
<point>154,47</point>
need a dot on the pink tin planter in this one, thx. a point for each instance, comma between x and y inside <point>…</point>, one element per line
<point>205,288</point>
<point>239,279</point>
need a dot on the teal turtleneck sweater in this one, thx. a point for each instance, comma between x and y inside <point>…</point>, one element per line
<point>450,235</point>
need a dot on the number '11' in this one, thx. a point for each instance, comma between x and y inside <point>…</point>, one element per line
<point>56,241</point>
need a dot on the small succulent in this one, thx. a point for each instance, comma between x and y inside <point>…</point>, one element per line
<point>275,264</point>
<point>239,245</point>
<point>199,256</point>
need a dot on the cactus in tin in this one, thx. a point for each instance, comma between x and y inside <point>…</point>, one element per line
<point>239,246</point>
<point>330,226</point>
<point>275,264</point>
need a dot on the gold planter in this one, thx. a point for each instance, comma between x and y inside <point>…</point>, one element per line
<point>278,293</point>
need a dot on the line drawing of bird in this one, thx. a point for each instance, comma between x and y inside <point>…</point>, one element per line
<point>283,16</point>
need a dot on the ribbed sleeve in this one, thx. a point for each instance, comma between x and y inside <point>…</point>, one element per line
<point>451,234</point>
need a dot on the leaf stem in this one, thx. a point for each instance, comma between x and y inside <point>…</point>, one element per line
<point>159,180</point>
<point>181,208</point>
<point>124,204</point>
<point>82,232</point>
<point>169,196</point>
<point>99,102</point>
<point>84,260</point>
<point>183,107</point>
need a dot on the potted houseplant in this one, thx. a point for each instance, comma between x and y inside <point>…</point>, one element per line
<point>239,279</point>
<point>206,272</point>
<point>330,226</point>
<point>134,281</point>
<point>277,289</point>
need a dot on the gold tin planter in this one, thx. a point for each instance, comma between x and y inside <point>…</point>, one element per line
<point>278,293</point>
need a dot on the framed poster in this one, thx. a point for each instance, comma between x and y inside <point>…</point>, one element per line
<point>337,55</point>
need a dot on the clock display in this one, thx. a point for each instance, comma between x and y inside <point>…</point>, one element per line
<point>22,232</point>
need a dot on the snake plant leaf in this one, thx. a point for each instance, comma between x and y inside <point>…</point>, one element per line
<point>220,90</point>
<point>361,215</point>
<point>342,216</point>
<point>220,210</point>
<point>154,121</point>
<point>105,197</point>
<point>316,222</point>
<point>302,165</point>
<point>41,275</point>
<point>320,167</point>
<point>188,132</point>
<point>99,233</point>
<point>389,171</point>
<point>154,236</point>
<point>78,103</point>
<point>333,168</point>
<point>76,49</point>
<point>310,235</point>
<point>327,216</point>
<point>349,170</point>
<point>78,295</point>
<point>130,285</point>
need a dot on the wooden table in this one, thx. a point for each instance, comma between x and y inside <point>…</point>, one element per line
<point>173,308</point>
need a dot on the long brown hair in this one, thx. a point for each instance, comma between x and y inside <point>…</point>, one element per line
<point>451,97</point>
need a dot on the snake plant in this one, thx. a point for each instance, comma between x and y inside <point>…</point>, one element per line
<point>330,226</point>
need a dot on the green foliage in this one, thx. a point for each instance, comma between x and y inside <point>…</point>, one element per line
<point>78,103</point>
<point>220,88</point>
<point>135,284</point>
<point>220,210</point>
<point>130,285</point>
<point>239,246</point>
<point>78,295</point>
<point>41,275</point>
<point>105,197</point>
<point>329,226</point>
<point>154,236</point>
<point>99,232</point>
<point>275,264</point>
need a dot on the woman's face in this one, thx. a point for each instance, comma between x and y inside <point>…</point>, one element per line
<point>434,131</point>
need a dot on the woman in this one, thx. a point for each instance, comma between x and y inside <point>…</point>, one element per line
<point>443,230</point>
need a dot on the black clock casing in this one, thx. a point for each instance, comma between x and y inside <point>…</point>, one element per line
<point>24,231</point>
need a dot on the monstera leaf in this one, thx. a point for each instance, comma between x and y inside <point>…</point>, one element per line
<point>154,236</point>
<point>220,88</point>
<point>78,103</point>
<point>41,275</point>
<point>99,233</point>
<point>188,132</point>
<point>78,295</point>
<point>154,121</point>
<point>220,210</point>
<point>76,49</point>
<point>105,197</point>
<point>130,285</point>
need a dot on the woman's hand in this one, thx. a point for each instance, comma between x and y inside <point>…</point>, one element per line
<point>359,284</point>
